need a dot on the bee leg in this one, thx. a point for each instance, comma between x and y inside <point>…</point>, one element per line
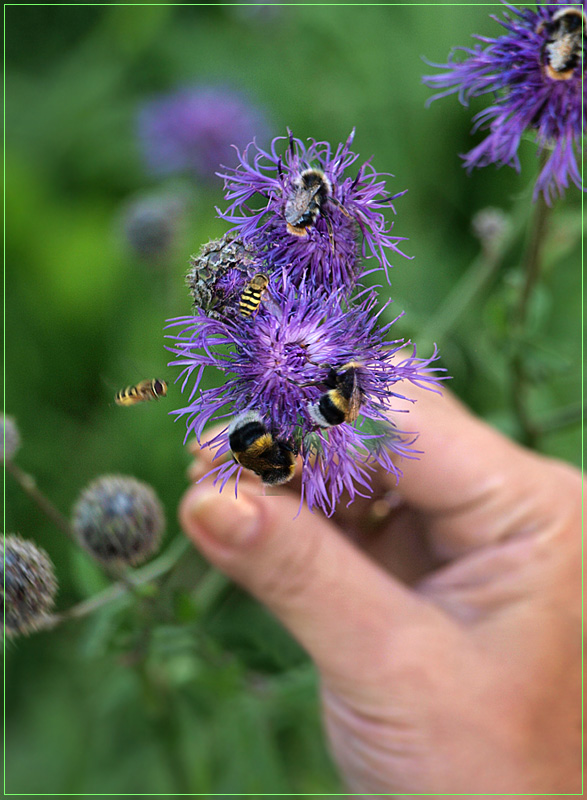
<point>330,233</point>
<point>338,204</point>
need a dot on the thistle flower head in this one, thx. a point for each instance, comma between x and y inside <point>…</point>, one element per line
<point>534,74</point>
<point>280,362</point>
<point>119,520</point>
<point>10,438</point>
<point>28,585</point>
<point>345,208</point>
<point>192,129</point>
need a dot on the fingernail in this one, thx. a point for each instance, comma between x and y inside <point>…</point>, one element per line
<point>232,521</point>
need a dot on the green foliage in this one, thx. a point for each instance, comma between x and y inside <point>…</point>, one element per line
<point>191,686</point>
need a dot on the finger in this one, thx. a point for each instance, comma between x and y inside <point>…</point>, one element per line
<point>477,485</point>
<point>344,610</point>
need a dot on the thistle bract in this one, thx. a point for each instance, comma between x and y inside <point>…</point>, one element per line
<point>534,75</point>
<point>218,274</point>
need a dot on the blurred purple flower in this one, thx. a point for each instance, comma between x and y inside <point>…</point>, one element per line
<point>192,129</point>
<point>277,363</point>
<point>535,73</point>
<point>327,252</point>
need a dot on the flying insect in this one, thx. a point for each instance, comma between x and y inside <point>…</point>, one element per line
<point>142,392</point>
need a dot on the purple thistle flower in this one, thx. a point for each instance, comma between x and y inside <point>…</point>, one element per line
<point>326,249</point>
<point>277,363</point>
<point>536,72</point>
<point>193,128</point>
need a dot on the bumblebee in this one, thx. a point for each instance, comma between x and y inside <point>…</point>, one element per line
<point>342,402</point>
<point>302,209</point>
<point>145,390</point>
<point>254,447</point>
<point>563,48</point>
<point>252,294</point>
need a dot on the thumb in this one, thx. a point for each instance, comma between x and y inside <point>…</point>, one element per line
<point>348,613</point>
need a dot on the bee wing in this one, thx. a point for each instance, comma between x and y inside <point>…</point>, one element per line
<point>354,404</point>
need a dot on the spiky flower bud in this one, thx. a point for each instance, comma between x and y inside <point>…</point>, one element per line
<point>28,585</point>
<point>219,272</point>
<point>119,520</point>
<point>10,438</point>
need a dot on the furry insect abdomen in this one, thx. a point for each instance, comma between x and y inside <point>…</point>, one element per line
<point>333,407</point>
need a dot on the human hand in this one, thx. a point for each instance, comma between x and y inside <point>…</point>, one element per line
<point>445,625</point>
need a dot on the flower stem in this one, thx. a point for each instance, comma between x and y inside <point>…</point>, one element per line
<point>472,284</point>
<point>465,291</point>
<point>29,485</point>
<point>138,577</point>
<point>532,258</point>
<point>531,265</point>
<point>562,418</point>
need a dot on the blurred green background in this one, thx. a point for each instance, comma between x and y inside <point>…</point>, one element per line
<point>221,701</point>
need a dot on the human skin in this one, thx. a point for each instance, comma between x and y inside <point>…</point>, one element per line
<point>444,619</point>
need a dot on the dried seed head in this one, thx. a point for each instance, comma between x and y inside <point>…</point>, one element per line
<point>10,438</point>
<point>119,520</point>
<point>219,272</point>
<point>28,586</point>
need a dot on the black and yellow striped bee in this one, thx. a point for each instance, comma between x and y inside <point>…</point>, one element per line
<point>254,447</point>
<point>342,402</point>
<point>253,293</point>
<point>143,391</point>
<point>563,48</point>
<point>303,207</point>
